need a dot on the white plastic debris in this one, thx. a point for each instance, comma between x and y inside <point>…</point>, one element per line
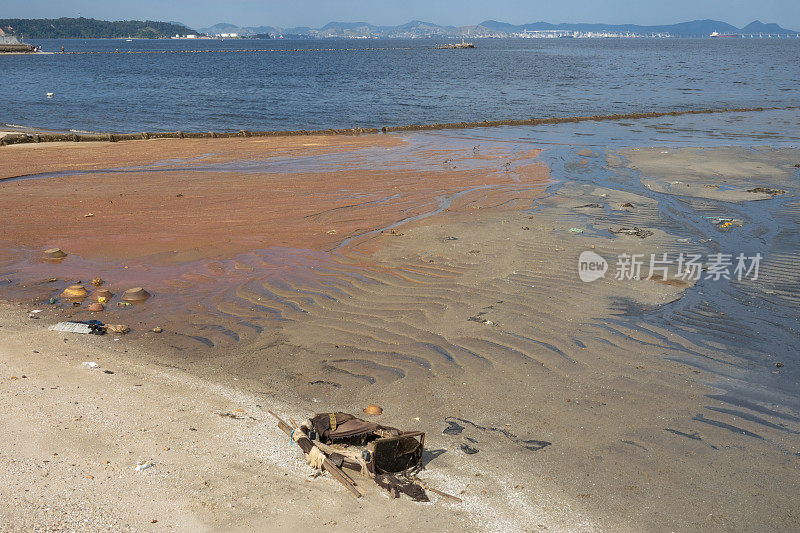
<point>143,466</point>
<point>72,327</point>
<point>90,364</point>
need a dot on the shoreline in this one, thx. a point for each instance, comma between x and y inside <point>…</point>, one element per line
<point>34,136</point>
<point>583,399</point>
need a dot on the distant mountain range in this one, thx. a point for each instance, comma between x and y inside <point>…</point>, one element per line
<point>69,28</point>
<point>492,28</point>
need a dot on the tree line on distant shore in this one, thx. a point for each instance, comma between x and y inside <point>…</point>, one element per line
<point>84,28</point>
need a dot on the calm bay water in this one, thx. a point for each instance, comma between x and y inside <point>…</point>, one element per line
<point>399,82</point>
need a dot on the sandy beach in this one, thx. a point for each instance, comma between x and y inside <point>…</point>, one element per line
<point>435,274</point>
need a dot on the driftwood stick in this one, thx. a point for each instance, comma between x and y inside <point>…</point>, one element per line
<point>439,492</point>
<point>306,445</point>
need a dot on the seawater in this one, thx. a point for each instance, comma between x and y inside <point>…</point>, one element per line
<point>319,84</point>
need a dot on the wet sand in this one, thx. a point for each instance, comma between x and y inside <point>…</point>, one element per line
<point>448,294</point>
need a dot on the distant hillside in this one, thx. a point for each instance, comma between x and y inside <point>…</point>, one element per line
<point>493,28</point>
<point>83,28</point>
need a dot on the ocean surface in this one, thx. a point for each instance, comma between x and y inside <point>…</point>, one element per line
<point>308,84</point>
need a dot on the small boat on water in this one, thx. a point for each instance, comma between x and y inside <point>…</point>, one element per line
<point>717,35</point>
<point>454,46</point>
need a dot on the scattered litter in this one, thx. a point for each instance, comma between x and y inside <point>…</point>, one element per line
<point>590,206</point>
<point>51,301</point>
<point>90,364</point>
<point>75,292</point>
<point>88,327</point>
<point>778,365</point>
<point>50,95</point>
<point>390,457</point>
<point>331,232</point>
<point>373,409</point>
<point>97,282</point>
<point>55,253</point>
<point>633,232</point>
<point>157,330</point>
<point>627,204</point>
<point>143,466</point>
<point>88,215</point>
<point>765,190</point>
<point>469,450</point>
<point>124,304</point>
<point>725,223</point>
<point>575,230</point>
<point>488,322</point>
<point>136,294</point>
<point>119,329</point>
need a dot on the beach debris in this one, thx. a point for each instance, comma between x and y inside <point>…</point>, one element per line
<point>331,232</point>
<point>90,364</point>
<point>778,365</point>
<point>387,455</point>
<point>590,206</point>
<point>469,450</point>
<point>157,330</point>
<point>575,230</point>
<point>75,292</point>
<point>725,223</point>
<point>766,190</point>
<point>34,313</point>
<point>627,204</point>
<point>55,253</point>
<point>88,215</point>
<point>97,282</point>
<point>633,232</point>
<point>136,294</point>
<point>51,301</point>
<point>373,409</point>
<point>119,329</point>
<point>124,304</point>
<point>143,466</point>
<point>50,95</point>
<point>102,294</point>
<point>96,307</point>
<point>88,327</point>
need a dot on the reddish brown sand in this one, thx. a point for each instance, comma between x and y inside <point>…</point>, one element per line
<point>215,214</point>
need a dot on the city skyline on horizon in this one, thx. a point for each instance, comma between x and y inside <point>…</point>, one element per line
<point>316,13</point>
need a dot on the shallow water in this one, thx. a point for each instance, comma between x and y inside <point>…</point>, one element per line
<point>340,84</point>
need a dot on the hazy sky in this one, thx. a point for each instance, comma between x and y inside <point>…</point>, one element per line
<point>285,13</point>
